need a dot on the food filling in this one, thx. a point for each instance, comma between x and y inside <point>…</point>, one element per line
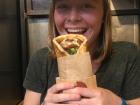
<point>71,45</point>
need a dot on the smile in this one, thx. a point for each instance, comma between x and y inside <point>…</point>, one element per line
<point>76,30</point>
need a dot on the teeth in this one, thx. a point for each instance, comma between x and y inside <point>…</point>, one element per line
<point>75,30</point>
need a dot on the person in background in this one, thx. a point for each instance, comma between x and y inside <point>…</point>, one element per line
<point>115,64</point>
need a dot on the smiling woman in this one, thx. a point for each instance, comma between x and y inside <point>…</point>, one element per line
<point>78,18</point>
<point>115,64</point>
<point>84,17</point>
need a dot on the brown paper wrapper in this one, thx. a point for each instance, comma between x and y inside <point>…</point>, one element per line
<point>75,68</point>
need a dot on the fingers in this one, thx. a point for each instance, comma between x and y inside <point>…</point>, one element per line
<point>84,92</point>
<point>66,104</point>
<point>60,104</point>
<point>72,102</point>
<point>59,87</point>
<point>64,97</point>
<point>55,94</point>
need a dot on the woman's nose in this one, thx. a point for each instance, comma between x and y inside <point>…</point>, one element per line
<point>74,15</point>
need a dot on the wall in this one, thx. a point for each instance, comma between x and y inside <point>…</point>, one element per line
<point>126,28</point>
<point>10,67</point>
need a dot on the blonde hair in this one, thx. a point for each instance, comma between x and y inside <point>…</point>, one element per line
<point>103,44</point>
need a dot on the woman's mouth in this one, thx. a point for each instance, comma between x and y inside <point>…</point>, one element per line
<point>76,30</point>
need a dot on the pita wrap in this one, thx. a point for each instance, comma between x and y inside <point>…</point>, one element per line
<point>73,59</point>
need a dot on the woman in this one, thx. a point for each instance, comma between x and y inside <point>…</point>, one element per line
<point>116,65</point>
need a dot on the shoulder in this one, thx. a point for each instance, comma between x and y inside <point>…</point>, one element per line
<point>125,48</point>
<point>42,52</point>
<point>122,45</point>
<point>36,70</point>
<point>125,52</point>
<point>40,55</point>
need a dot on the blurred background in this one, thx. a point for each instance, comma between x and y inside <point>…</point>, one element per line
<point>23,30</point>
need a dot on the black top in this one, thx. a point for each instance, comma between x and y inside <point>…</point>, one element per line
<point>119,73</point>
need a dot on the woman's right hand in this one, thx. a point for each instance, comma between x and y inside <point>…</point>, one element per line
<point>55,94</point>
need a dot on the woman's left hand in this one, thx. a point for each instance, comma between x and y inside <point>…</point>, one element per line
<point>97,96</point>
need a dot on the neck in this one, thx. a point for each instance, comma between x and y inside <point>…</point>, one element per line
<point>95,66</point>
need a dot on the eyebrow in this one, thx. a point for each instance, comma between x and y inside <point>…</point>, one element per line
<point>64,0</point>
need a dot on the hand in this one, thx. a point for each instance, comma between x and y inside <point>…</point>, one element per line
<point>56,96</point>
<point>97,96</point>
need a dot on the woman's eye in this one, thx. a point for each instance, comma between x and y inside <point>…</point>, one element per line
<point>87,6</point>
<point>62,7</point>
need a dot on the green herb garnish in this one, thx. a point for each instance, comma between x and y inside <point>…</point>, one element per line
<point>72,51</point>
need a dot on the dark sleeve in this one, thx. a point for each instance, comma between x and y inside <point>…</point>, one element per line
<point>32,79</point>
<point>132,80</point>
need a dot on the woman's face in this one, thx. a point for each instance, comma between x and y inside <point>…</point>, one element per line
<point>79,17</point>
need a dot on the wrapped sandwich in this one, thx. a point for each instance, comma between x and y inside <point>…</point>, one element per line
<point>74,63</point>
